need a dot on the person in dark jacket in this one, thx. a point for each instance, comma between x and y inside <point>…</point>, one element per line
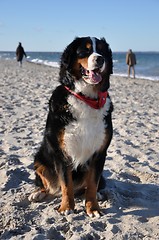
<point>20,53</point>
<point>131,62</point>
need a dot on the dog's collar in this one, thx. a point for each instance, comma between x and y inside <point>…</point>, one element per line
<point>94,103</point>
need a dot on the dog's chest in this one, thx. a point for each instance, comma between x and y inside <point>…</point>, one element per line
<point>86,134</point>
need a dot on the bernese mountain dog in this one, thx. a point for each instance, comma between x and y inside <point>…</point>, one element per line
<point>78,127</point>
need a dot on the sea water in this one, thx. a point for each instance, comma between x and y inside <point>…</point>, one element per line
<point>147,62</point>
<point>147,66</point>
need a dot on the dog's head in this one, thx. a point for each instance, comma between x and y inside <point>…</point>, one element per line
<point>87,59</point>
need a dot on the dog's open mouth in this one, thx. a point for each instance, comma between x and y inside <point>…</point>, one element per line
<point>91,76</point>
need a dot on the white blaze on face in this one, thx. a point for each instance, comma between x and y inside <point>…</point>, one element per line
<point>93,57</point>
<point>94,44</point>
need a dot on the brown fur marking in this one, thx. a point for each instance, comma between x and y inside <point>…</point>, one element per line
<point>83,62</point>
<point>91,191</point>
<point>46,178</point>
<point>67,193</point>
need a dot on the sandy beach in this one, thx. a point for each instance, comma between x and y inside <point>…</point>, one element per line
<point>131,203</point>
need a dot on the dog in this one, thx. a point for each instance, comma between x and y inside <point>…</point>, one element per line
<point>78,128</point>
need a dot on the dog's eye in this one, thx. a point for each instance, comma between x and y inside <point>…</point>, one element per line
<point>82,53</point>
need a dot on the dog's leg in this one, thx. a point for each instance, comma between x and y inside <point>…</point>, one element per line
<point>92,182</point>
<point>92,207</point>
<point>67,203</point>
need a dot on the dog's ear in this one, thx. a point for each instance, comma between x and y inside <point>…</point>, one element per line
<point>69,55</point>
<point>67,60</point>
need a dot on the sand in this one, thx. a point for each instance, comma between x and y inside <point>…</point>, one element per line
<point>131,197</point>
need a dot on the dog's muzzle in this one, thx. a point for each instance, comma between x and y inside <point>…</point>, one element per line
<point>96,65</point>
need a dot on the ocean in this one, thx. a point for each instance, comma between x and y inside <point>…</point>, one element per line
<point>147,62</point>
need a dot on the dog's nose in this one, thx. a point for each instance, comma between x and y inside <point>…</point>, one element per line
<point>100,61</point>
<point>95,61</point>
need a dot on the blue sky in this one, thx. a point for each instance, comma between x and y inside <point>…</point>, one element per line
<point>50,25</point>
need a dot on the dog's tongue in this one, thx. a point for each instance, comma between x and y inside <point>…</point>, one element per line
<point>96,77</point>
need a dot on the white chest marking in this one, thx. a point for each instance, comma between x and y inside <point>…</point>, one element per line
<point>84,136</point>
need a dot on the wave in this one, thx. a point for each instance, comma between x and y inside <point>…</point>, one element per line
<point>43,62</point>
<point>152,78</point>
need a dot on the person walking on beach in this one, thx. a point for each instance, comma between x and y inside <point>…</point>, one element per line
<point>20,53</point>
<point>131,62</point>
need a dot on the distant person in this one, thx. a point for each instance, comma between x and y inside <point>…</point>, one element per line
<point>131,62</point>
<point>20,53</point>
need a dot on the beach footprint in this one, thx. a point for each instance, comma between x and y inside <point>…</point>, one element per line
<point>15,177</point>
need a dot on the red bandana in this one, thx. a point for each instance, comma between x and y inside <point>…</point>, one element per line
<point>96,104</point>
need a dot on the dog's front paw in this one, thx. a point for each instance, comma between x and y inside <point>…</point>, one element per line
<point>94,213</point>
<point>66,208</point>
<point>37,196</point>
<point>92,209</point>
<point>65,212</point>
